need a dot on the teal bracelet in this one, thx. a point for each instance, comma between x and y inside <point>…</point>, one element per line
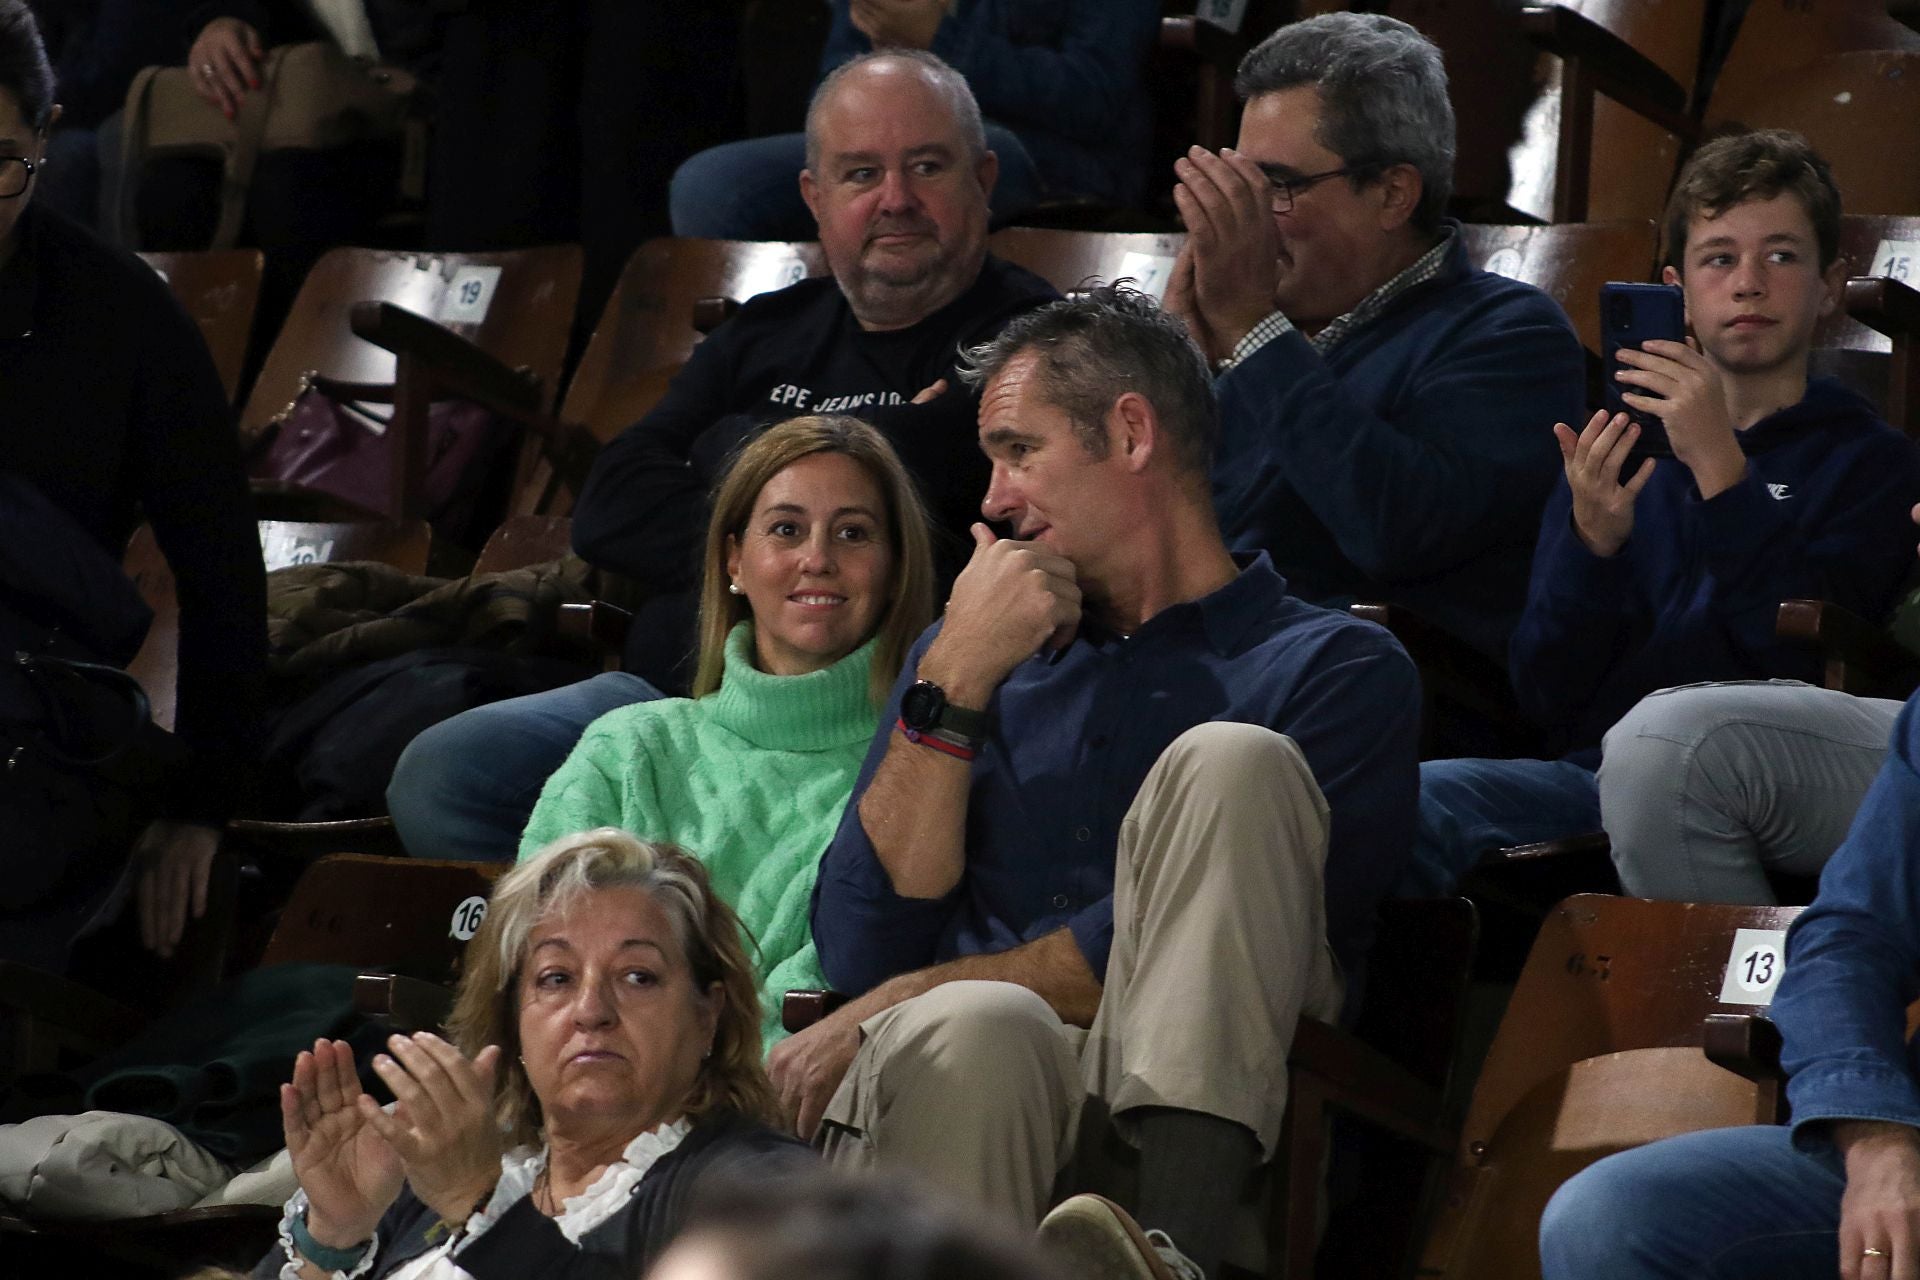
<point>319,1254</point>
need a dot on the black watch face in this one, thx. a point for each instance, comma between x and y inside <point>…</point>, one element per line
<point>921,705</point>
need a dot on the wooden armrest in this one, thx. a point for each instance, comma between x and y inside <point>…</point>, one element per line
<point>80,1012</point>
<point>1621,71</point>
<point>1209,44</point>
<point>1886,306</point>
<point>341,389</point>
<point>1747,1044</point>
<point>604,626</point>
<point>710,313</point>
<point>1593,843</point>
<point>1359,1079</point>
<point>452,362</point>
<point>405,1004</point>
<point>1855,650</point>
<point>801,1009</point>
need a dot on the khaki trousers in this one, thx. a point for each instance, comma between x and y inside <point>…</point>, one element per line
<point>1219,946</point>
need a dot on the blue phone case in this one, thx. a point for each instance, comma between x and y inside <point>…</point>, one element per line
<point>1630,315</point>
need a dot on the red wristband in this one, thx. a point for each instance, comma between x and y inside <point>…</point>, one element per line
<point>935,741</point>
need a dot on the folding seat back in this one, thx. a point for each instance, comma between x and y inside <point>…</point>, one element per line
<point>1859,109</point>
<point>405,916</point>
<point>673,289</point>
<point>1779,36</point>
<point>515,305</point>
<point>1567,112</point>
<point>1600,1050</point>
<point>495,323</point>
<point>220,289</point>
<point>1068,260</point>
<point>1569,261</point>
<point>282,542</point>
<point>1869,342</point>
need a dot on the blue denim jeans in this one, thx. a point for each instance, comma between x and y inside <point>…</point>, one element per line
<point>1469,808</point>
<point>1723,1204</point>
<point>750,190</point>
<point>464,788</point>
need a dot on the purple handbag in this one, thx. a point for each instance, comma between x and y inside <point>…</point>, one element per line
<point>330,441</point>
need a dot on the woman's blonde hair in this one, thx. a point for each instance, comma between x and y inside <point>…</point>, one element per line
<point>486,1009</point>
<point>910,603</point>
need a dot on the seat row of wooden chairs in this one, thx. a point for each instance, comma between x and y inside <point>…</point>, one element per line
<point>1631,1021</point>
<point>492,327</point>
<point>1584,109</point>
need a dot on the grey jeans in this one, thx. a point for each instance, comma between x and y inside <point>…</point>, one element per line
<point>1705,788</point>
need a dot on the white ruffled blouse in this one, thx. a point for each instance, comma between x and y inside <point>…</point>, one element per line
<point>519,1170</point>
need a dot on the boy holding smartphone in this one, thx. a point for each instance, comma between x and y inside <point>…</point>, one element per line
<point>1669,573</point>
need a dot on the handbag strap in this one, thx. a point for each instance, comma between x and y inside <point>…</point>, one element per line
<point>251,130</point>
<point>123,179</point>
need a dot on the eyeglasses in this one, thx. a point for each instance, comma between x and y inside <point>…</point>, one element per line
<point>15,173</point>
<point>1287,190</point>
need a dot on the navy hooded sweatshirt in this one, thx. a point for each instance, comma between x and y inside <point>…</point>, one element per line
<point>1822,513</point>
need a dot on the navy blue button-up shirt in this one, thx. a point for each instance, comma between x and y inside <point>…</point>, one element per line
<point>1075,734</point>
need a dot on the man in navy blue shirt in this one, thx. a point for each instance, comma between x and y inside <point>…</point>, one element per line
<point>1127,785</point>
<point>1384,403</point>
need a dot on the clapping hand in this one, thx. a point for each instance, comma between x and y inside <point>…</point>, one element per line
<point>1226,202</point>
<point>443,1129</point>
<point>349,1171</point>
<point>1602,504</point>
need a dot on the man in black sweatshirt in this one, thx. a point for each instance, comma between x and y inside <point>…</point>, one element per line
<point>898,177</point>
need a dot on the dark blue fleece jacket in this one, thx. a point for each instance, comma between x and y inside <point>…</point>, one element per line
<point>1410,464</point>
<point>1821,514</point>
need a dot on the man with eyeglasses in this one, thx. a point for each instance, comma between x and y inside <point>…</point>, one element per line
<point>1384,403</point>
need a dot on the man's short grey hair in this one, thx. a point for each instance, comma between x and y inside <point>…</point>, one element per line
<point>1383,95</point>
<point>950,84</point>
<point>1099,344</point>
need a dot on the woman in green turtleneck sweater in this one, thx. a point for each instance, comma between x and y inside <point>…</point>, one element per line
<point>818,579</point>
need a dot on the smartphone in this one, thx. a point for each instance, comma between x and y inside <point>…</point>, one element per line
<point>1630,316</point>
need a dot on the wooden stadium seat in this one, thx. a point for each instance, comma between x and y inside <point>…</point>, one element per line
<point>1860,109</point>
<point>1567,112</point>
<point>518,542</point>
<point>670,293</point>
<point>1781,36</point>
<point>1599,1051</point>
<point>408,916</point>
<point>220,289</point>
<point>1870,343</point>
<point>156,666</point>
<point>1067,260</point>
<point>515,307</point>
<point>648,330</point>
<point>1569,261</point>
<point>282,542</point>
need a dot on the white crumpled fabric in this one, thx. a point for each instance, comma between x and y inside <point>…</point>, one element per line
<point>103,1164</point>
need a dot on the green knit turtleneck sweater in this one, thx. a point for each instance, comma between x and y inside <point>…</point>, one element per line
<point>750,779</point>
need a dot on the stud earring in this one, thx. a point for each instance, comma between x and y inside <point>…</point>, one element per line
<point>734,587</point>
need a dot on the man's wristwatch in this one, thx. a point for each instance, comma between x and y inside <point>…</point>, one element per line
<point>924,709</point>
